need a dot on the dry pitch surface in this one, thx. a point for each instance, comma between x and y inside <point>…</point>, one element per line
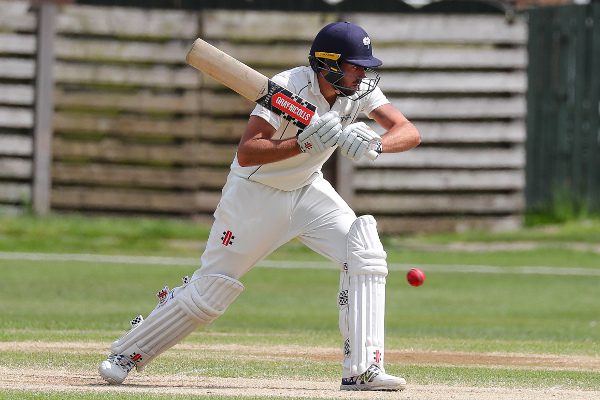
<point>63,380</point>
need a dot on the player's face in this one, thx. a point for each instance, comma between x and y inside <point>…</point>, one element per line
<point>353,76</point>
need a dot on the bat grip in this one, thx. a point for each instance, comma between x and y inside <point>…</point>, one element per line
<point>372,155</point>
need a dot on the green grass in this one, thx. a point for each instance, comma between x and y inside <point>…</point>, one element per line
<point>585,230</point>
<point>458,312</point>
<point>554,244</point>
<point>457,307</point>
<point>544,256</point>
<point>79,234</point>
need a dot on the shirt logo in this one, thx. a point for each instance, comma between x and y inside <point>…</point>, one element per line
<point>227,238</point>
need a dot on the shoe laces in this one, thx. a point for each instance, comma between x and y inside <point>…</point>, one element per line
<point>369,374</point>
<point>363,378</point>
<point>122,361</point>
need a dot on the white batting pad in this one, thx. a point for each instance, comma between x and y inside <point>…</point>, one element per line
<point>365,311</point>
<point>197,303</point>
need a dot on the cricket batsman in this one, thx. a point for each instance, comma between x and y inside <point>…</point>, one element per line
<point>276,192</point>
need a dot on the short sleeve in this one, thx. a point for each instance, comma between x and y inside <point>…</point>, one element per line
<point>266,114</point>
<point>375,99</point>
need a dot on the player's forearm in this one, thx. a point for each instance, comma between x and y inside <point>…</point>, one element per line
<point>401,138</point>
<point>259,151</point>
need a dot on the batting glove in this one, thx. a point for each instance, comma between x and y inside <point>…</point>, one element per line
<point>356,139</point>
<point>320,135</point>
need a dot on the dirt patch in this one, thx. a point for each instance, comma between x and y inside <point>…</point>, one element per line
<point>61,380</point>
<point>65,381</point>
<point>293,352</point>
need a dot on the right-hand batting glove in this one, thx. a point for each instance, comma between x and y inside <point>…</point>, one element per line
<point>356,139</point>
<point>321,134</point>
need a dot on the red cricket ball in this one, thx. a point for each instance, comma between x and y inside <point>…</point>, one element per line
<point>415,277</point>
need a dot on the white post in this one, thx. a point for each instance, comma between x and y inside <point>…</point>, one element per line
<point>345,178</point>
<point>44,107</point>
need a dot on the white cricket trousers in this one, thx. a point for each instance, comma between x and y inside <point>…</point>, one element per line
<point>252,220</point>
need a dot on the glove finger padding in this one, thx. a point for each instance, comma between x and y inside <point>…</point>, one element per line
<point>355,139</point>
<point>320,122</point>
<point>368,135</point>
<point>317,145</point>
<point>317,124</point>
<point>343,137</point>
<point>331,127</point>
<point>330,138</point>
<point>327,125</point>
<point>358,149</point>
<point>328,116</point>
<point>345,146</point>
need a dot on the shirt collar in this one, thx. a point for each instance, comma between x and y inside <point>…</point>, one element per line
<point>314,83</point>
<point>316,91</point>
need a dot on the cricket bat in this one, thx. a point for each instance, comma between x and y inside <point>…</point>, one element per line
<point>253,85</point>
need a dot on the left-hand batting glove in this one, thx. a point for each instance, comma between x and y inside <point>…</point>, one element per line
<point>356,139</point>
<point>321,134</point>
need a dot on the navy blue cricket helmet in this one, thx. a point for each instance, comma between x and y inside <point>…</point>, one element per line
<point>344,42</point>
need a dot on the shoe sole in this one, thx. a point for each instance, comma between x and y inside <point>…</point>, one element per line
<point>110,380</point>
<point>104,374</point>
<point>365,388</point>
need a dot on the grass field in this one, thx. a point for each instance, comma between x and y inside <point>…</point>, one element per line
<point>524,323</point>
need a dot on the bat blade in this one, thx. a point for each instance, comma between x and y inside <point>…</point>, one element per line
<point>250,83</point>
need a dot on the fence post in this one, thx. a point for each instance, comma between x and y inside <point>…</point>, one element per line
<point>44,107</point>
<point>594,166</point>
<point>344,178</point>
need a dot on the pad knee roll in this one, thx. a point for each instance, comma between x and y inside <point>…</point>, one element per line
<point>367,271</point>
<point>365,252</point>
<point>199,302</point>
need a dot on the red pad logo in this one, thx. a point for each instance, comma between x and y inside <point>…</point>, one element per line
<point>377,356</point>
<point>292,108</point>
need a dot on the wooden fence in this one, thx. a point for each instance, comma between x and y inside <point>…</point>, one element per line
<point>462,80</point>
<point>136,130</point>
<point>18,25</point>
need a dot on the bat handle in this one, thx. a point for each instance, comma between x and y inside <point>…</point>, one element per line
<point>372,155</point>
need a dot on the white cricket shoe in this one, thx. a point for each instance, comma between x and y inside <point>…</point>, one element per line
<point>115,368</point>
<point>373,379</point>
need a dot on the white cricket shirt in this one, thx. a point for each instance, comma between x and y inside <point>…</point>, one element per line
<point>300,170</point>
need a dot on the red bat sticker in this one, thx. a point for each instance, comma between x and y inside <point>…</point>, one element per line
<point>289,105</point>
<point>292,108</point>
